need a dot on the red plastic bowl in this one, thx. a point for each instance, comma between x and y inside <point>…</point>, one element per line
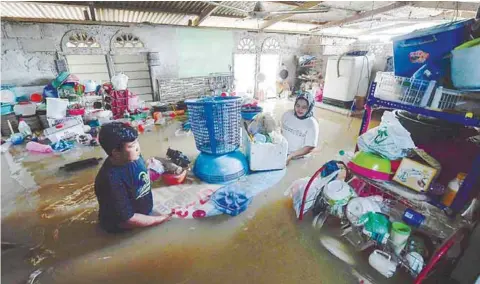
<point>172,179</point>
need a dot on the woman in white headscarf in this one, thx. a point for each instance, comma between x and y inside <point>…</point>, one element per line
<point>300,128</point>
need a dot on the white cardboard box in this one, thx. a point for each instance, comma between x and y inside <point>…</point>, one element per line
<point>265,156</point>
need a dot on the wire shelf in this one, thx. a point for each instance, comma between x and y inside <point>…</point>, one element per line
<point>407,91</point>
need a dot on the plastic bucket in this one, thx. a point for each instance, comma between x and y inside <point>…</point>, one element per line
<point>399,236</point>
<point>428,47</point>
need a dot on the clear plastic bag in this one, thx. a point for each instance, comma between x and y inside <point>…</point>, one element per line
<point>390,139</point>
<point>120,82</point>
<point>297,189</point>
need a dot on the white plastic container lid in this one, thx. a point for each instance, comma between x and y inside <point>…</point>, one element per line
<point>337,190</point>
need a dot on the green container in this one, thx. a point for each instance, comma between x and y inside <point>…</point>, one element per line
<point>60,79</point>
<point>372,162</point>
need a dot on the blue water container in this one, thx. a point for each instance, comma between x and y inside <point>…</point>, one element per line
<point>428,47</point>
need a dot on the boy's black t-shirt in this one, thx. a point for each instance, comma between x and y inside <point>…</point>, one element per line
<point>121,192</point>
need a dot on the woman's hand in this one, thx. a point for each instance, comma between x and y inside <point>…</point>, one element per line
<point>289,158</point>
<point>299,153</point>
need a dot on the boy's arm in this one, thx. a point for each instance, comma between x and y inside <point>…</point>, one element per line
<point>140,220</point>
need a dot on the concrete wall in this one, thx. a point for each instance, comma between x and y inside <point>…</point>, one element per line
<point>29,50</point>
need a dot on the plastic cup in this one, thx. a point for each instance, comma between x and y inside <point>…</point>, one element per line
<point>399,236</point>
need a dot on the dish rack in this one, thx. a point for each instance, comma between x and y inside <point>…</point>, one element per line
<point>422,93</point>
<point>404,90</point>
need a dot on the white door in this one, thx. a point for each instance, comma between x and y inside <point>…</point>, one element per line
<point>136,68</point>
<point>89,67</point>
<point>244,73</point>
<point>269,67</point>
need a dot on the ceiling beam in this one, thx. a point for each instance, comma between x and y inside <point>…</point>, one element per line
<point>305,22</point>
<point>276,19</point>
<point>363,15</point>
<point>289,3</point>
<point>102,5</point>
<point>447,5</point>
<point>207,12</point>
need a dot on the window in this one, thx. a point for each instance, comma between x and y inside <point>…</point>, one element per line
<point>246,44</point>
<point>127,41</point>
<point>271,44</point>
<point>81,40</point>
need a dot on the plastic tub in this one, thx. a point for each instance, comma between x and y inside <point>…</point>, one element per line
<point>62,77</point>
<point>172,179</point>
<point>466,67</point>
<point>6,109</point>
<point>25,109</point>
<point>428,47</point>
<point>248,113</point>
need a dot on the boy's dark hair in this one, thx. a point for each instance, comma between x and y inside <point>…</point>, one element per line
<point>114,134</point>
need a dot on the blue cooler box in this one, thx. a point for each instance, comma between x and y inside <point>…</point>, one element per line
<point>428,49</point>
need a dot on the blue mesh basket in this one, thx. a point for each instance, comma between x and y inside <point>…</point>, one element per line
<point>215,123</point>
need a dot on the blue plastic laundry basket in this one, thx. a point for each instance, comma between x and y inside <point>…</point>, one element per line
<point>215,123</point>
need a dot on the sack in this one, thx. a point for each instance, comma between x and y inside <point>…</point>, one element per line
<point>390,139</point>
<point>297,189</point>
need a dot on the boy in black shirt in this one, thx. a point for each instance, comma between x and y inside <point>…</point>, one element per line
<point>122,185</point>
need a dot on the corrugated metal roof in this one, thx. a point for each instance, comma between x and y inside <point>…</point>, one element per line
<point>181,12</point>
<point>133,16</point>
<point>42,10</point>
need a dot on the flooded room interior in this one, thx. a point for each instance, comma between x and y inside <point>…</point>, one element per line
<point>240,142</point>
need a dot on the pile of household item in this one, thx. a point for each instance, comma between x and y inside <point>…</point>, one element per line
<point>69,109</point>
<point>309,78</point>
<point>388,154</point>
<point>391,233</point>
<point>444,59</point>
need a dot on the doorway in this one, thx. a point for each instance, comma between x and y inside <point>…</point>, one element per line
<point>244,74</point>
<point>269,67</point>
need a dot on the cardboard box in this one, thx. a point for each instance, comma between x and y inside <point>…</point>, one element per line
<point>414,175</point>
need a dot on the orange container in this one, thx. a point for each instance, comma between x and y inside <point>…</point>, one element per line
<point>172,179</point>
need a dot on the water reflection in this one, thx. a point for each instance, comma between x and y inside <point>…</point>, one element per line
<point>49,217</point>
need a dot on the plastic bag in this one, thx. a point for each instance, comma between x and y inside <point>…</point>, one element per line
<point>376,226</point>
<point>120,82</point>
<point>262,123</point>
<point>297,189</point>
<point>390,139</point>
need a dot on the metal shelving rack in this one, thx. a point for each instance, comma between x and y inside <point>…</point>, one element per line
<point>469,182</point>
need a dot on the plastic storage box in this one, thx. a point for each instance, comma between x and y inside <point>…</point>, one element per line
<point>428,48</point>
<point>265,156</point>
<point>466,68</point>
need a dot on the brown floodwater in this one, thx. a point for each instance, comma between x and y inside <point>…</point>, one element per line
<point>50,232</point>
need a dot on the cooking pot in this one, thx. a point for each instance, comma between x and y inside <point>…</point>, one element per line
<point>424,129</point>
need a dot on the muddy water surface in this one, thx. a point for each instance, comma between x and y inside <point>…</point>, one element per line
<point>50,231</point>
